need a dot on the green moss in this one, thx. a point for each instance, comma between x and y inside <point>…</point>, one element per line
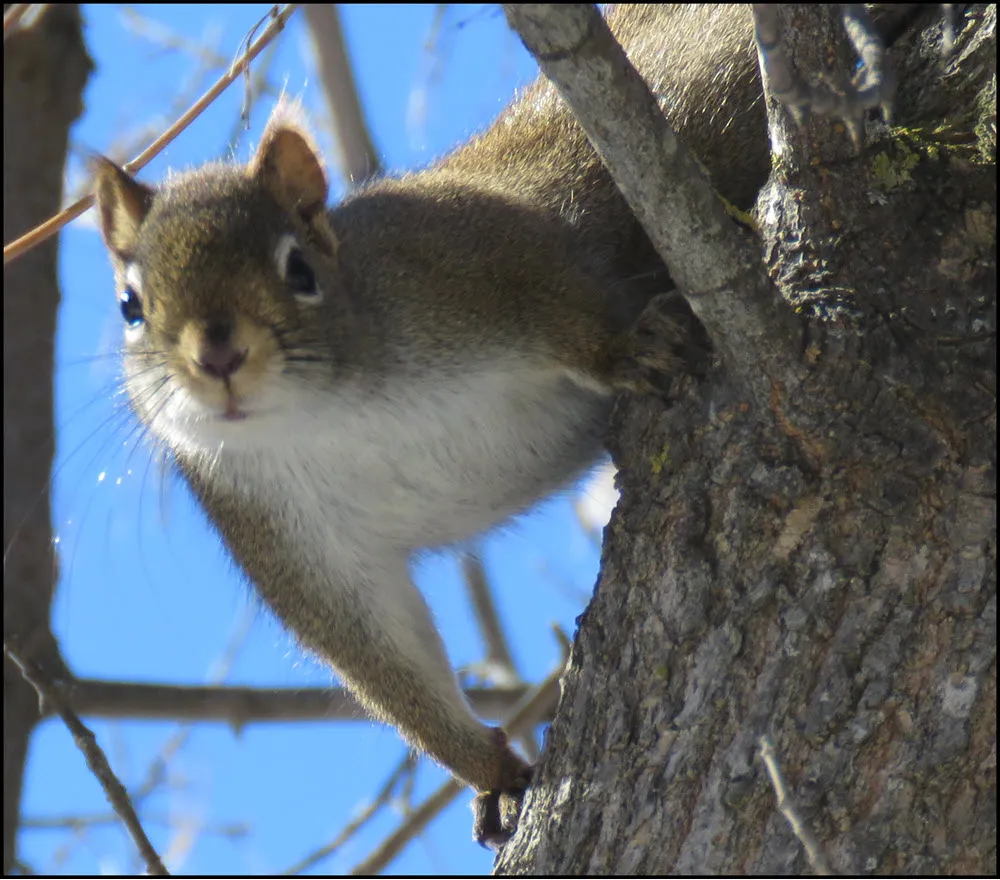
<point>746,218</point>
<point>892,168</point>
<point>658,462</point>
<point>986,121</point>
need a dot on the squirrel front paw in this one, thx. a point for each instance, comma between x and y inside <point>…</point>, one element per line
<point>665,341</point>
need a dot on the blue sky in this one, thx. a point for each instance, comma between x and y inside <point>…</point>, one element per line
<point>146,592</point>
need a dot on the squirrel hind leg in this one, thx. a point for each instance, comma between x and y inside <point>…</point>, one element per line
<point>665,341</point>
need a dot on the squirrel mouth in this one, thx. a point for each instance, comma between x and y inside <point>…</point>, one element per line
<point>232,412</point>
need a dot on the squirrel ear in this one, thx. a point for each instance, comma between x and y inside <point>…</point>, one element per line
<point>288,163</point>
<point>122,205</point>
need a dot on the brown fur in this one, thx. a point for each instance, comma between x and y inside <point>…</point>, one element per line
<point>515,254</point>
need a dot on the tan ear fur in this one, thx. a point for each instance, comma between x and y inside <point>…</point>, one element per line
<point>289,163</point>
<point>122,205</point>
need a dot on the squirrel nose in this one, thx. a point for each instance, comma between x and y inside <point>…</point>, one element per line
<point>221,361</point>
<point>216,355</point>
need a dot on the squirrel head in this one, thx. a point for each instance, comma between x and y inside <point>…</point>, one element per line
<point>221,276</point>
<point>238,287</point>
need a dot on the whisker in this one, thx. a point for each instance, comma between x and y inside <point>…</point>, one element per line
<point>65,461</point>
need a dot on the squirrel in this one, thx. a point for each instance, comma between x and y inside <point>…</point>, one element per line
<point>341,387</point>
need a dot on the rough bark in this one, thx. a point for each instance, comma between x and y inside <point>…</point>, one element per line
<point>45,69</point>
<point>821,571</point>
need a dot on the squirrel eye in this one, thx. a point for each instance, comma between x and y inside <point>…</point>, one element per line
<point>131,307</point>
<point>300,276</point>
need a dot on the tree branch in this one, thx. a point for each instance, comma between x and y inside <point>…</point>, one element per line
<point>240,706</point>
<point>52,695</point>
<point>358,158</point>
<point>51,226</point>
<point>714,266</point>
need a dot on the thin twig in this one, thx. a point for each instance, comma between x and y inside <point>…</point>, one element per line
<point>498,667</point>
<point>537,705</point>
<point>163,37</point>
<point>498,656</point>
<point>76,823</point>
<point>356,154</point>
<point>384,796</point>
<point>51,226</point>
<point>187,832</point>
<point>13,14</point>
<point>786,806</point>
<point>52,694</point>
<point>416,822</point>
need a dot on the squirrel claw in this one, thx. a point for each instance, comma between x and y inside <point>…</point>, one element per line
<point>665,342</point>
<point>497,811</point>
<point>495,816</point>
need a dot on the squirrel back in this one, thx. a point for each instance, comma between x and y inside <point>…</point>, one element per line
<point>534,170</point>
<point>343,387</point>
<point>699,61</point>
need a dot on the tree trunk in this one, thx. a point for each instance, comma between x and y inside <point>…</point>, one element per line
<point>45,69</point>
<point>819,569</point>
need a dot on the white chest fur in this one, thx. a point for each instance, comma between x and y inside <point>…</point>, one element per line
<point>427,463</point>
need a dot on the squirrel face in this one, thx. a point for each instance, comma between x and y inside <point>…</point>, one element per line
<point>223,278</point>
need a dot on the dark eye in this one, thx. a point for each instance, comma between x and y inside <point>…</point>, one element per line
<point>299,275</point>
<point>131,307</point>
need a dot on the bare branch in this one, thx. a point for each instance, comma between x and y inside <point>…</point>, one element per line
<point>12,15</point>
<point>51,226</point>
<point>76,823</point>
<point>166,38</point>
<point>384,796</point>
<point>416,822</point>
<point>358,158</point>
<point>538,705</point>
<point>497,650</point>
<point>713,265</point>
<point>52,695</point>
<point>240,706</point>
